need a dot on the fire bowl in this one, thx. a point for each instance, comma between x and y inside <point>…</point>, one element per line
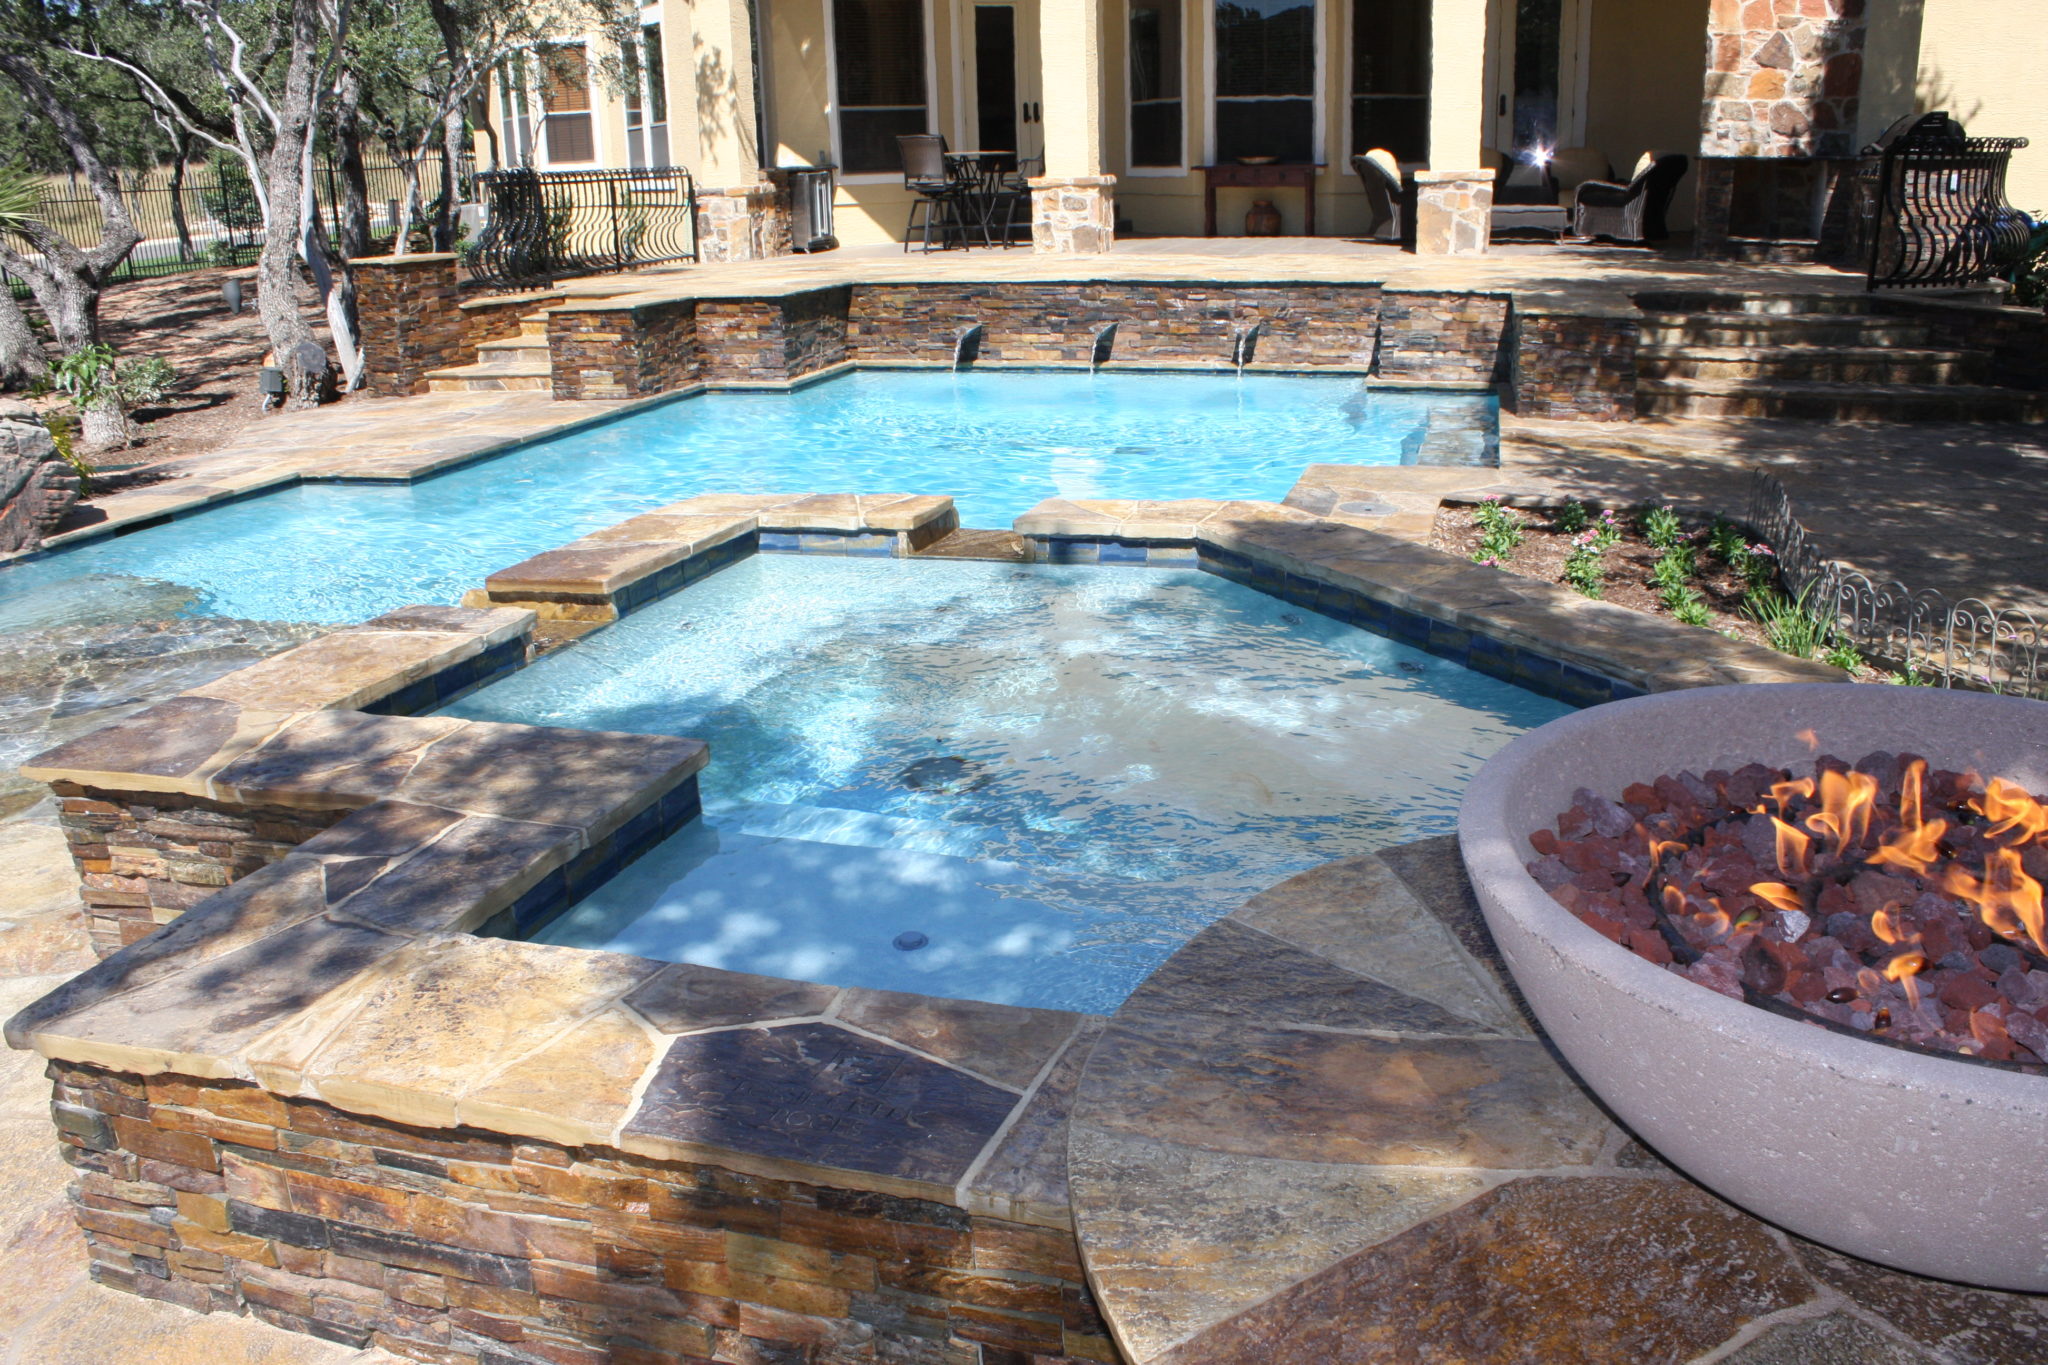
<point>1915,1160</point>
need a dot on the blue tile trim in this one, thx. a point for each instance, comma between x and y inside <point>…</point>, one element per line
<point>1150,554</point>
<point>598,864</point>
<point>861,544</point>
<point>459,679</point>
<point>1569,683</point>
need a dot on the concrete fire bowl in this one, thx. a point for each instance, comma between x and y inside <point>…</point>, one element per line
<point>1926,1163</point>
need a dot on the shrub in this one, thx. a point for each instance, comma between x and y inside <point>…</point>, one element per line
<point>1788,624</point>
<point>2030,276</point>
<point>1500,533</point>
<point>1571,518</point>
<point>1673,568</point>
<point>1661,527</point>
<point>1583,566</point>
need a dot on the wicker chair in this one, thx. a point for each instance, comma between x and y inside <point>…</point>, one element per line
<point>941,196</point>
<point>1381,175</point>
<point>1633,212</point>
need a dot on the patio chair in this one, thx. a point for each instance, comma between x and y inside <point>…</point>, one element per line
<point>1010,196</point>
<point>1633,212</point>
<point>941,196</point>
<point>1571,167</point>
<point>1381,175</point>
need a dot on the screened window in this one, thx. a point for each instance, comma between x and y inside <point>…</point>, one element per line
<point>1265,79</point>
<point>1390,78</point>
<point>1155,82</point>
<point>565,102</point>
<point>878,53</point>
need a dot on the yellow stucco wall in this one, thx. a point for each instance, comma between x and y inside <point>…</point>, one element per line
<point>1981,60</point>
<point>1646,83</point>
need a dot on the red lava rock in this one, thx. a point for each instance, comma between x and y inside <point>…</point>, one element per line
<point>1811,890</point>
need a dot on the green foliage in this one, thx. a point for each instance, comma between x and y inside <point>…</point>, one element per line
<point>1909,676</point>
<point>1788,624</point>
<point>1500,533</point>
<point>1843,655</point>
<point>2030,277</point>
<point>1693,611</point>
<point>64,436</point>
<point>1607,531</point>
<point>1584,566</point>
<point>21,198</point>
<point>1674,568</point>
<point>94,377</point>
<point>1571,518</point>
<point>1661,527</point>
<point>1725,541</point>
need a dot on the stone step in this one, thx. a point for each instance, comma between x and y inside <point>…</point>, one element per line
<point>508,349</point>
<point>1756,305</point>
<point>969,543</point>
<point>1804,364</point>
<point>1772,329</point>
<point>486,378</point>
<point>534,325</point>
<point>1837,402</point>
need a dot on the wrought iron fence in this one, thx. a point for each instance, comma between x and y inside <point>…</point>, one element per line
<point>1968,643</point>
<point>543,225</point>
<point>1938,217</point>
<point>208,219</point>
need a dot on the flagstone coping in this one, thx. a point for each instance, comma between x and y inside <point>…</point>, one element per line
<point>1325,1130</point>
<point>592,578</point>
<point>1447,601</point>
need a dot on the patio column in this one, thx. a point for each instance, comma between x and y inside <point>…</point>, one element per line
<point>1454,197</point>
<point>1073,205</point>
<point>741,215</point>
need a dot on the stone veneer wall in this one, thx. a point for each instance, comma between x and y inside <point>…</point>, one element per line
<point>408,313</point>
<point>1453,212</point>
<point>220,1196</point>
<point>743,222</point>
<point>1783,78</point>
<point>496,319</point>
<point>145,858</point>
<point>1073,216</point>
<point>1574,368</point>
<point>1442,337</point>
<point>772,340</point>
<point>2013,341</point>
<point>619,352</point>
<point>1306,325</point>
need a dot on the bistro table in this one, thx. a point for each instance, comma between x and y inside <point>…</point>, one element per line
<point>983,169</point>
<point>1299,175</point>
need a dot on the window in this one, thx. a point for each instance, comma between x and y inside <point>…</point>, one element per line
<point>514,114</point>
<point>565,102</point>
<point>878,68</point>
<point>646,102</point>
<point>1390,78</point>
<point>1265,79</point>
<point>1155,83</point>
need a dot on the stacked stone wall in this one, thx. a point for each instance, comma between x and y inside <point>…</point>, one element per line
<point>497,319</point>
<point>1572,368</point>
<point>1783,78</point>
<point>409,315</point>
<point>772,340</point>
<point>623,352</point>
<point>470,1248</point>
<point>146,858</point>
<point>1302,325</point>
<point>1454,338</point>
<point>2011,343</point>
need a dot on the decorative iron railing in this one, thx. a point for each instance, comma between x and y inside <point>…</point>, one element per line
<point>545,225</point>
<point>1937,200</point>
<point>1969,643</point>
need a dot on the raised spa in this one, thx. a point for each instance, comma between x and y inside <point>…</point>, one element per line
<point>1025,784</point>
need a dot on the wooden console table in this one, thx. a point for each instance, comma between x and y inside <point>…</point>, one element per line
<point>1299,175</point>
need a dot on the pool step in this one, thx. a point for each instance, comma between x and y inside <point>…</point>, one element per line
<point>489,376</point>
<point>966,542</point>
<point>854,829</point>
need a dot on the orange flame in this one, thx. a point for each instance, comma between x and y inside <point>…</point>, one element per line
<point>1903,969</point>
<point>1846,800</point>
<point>1794,849</point>
<point>1887,925</point>
<point>1785,793</point>
<point>2006,898</point>
<point>1913,847</point>
<point>2013,810</point>
<point>1778,896</point>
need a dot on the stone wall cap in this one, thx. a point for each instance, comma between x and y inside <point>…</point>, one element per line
<point>1448,177</point>
<point>398,262</point>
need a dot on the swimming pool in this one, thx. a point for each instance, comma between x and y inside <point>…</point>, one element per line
<point>1000,782</point>
<point>998,443</point>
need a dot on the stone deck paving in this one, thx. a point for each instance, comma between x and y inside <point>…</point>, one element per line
<point>1326,1132</point>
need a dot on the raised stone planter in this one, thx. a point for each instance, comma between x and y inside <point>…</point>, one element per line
<point>1898,1157</point>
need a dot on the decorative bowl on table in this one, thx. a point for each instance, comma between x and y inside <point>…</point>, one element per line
<point>1257,160</point>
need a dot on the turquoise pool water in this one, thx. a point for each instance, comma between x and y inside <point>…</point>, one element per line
<point>1052,775</point>
<point>999,443</point>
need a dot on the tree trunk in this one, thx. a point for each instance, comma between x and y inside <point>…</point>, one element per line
<point>22,359</point>
<point>355,182</point>
<point>181,150</point>
<point>302,358</point>
<point>451,154</point>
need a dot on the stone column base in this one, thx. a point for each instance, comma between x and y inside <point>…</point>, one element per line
<point>742,222</point>
<point>1453,212</point>
<point>1073,215</point>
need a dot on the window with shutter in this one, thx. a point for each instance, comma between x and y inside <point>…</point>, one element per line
<point>1155,43</point>
<point>1265,79</point>
<point>565,102</point>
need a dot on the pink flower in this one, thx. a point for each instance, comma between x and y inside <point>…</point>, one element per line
<point>1491,497</point>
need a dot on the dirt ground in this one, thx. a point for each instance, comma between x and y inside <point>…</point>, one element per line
<point>217,354</point>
